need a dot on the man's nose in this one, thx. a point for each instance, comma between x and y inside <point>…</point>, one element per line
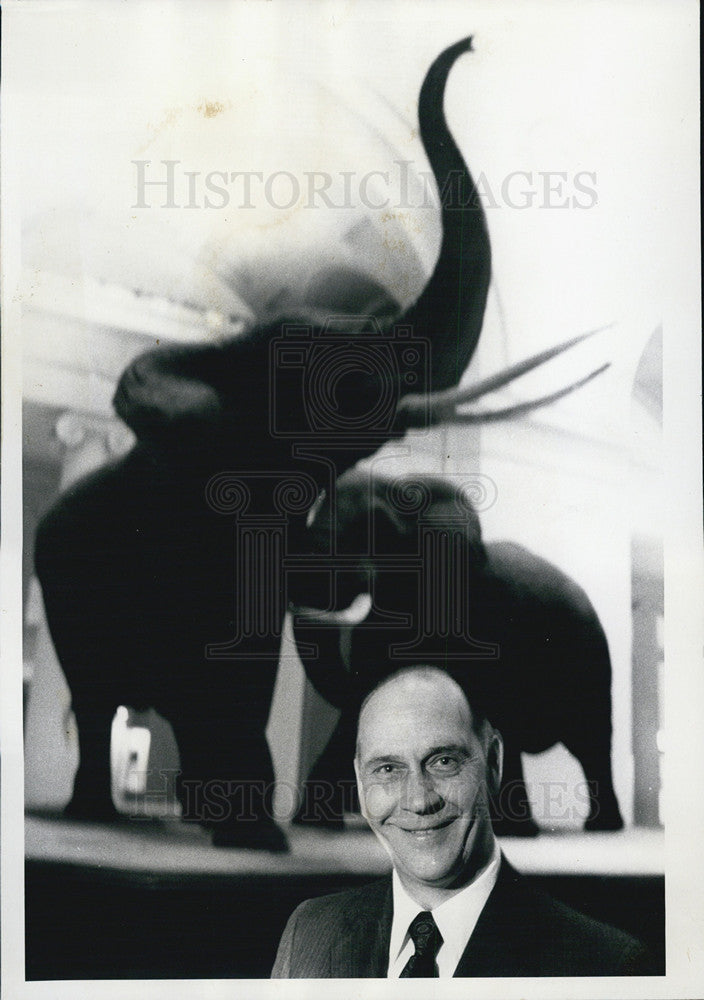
<point>421,794</point>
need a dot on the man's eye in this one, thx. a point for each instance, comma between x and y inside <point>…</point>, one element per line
<point>385,770</point>
<point>446,763</point>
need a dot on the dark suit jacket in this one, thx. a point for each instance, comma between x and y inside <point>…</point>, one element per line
<point>521,932</point>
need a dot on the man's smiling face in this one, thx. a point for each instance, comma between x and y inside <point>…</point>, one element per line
<point>424,775</point>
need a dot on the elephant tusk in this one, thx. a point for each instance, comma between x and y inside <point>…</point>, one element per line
<point>419,410</point>
<point>520,408</point>
<point>498,381</point>
<point>353,615</point>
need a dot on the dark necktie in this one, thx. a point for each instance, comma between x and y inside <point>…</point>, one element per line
<point>427,939</point>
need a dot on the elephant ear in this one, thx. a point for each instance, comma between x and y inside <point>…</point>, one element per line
<point>450,310</point>
<point>192,400</point>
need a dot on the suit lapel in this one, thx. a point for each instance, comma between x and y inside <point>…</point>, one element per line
<point>363,950</point>
<point>498,945</point>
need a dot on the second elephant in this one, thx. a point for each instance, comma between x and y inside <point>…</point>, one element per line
<point>523,630</point>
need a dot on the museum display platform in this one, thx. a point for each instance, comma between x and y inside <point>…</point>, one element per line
<point>146,899</point>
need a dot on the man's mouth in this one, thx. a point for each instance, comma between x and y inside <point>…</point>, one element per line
<point>428,829</point>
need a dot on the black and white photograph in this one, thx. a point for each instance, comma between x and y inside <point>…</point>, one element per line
<point>351,499</point>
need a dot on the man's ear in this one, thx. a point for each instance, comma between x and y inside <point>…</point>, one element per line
<point>495,761</point>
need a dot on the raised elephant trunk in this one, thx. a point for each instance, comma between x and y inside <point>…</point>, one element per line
<point>450,310</point>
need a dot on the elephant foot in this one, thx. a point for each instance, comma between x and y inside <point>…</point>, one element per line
<point>95,809</point>
<point>604,813</point>
<point>263,835</point>
<point>507,827</point>
<point>604,821</point>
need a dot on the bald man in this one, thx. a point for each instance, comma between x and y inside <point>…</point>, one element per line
<point>427,763</point>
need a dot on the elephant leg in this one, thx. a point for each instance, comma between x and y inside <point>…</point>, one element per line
<point>511,810</point>
<point>92,799</point>
<point>227,778</point>
<point>81,575</point>
<point>330,789</point>
<point>587,734</point>
<point>226,792</point>
<point>594,754</point>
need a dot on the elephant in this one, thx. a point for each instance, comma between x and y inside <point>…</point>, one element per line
<point>144,592</point>
<point>522,631</point>
<point>135,563</point>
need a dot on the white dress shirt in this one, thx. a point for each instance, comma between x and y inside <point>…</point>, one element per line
<point>456,919</point>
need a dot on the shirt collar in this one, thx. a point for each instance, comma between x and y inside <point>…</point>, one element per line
<point>456,918</point>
